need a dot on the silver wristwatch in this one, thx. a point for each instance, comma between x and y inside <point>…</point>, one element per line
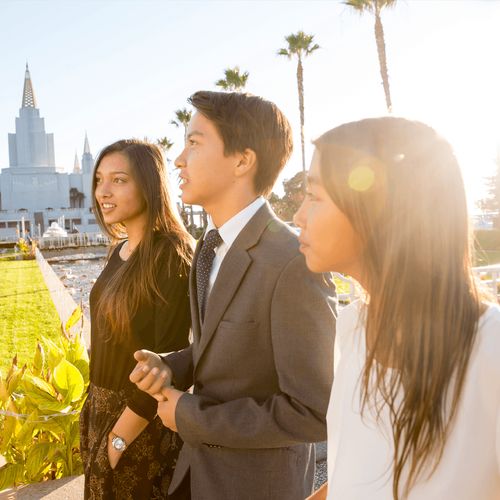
<point>118,443</point>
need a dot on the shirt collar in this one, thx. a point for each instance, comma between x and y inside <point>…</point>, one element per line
<point>230,230</point>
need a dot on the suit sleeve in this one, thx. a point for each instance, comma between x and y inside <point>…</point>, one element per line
<point>181,364</point>
<point>302,330</point>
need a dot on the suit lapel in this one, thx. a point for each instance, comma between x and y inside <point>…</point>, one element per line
<point>233,269</point>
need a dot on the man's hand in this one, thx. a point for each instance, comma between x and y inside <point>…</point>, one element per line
<point>166,409</point>
<point>151,374</point>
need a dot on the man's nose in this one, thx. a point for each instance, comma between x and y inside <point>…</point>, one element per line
<point>180,161</point>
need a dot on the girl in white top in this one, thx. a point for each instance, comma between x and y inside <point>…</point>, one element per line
<point>415,405</point>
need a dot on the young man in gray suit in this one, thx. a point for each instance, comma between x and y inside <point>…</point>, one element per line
<point>263,325</point>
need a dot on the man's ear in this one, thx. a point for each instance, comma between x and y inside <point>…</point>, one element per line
<point>247,163</point>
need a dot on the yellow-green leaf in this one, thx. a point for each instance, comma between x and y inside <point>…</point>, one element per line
<point>37,458</point>
<point>40,384</point>
<point>76,316</point>
<point>68,380</point>
<point>10,475</point>
<point>39,359</point>
<point>83,366</point>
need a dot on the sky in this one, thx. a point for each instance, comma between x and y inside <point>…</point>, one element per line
<point>117,69</point>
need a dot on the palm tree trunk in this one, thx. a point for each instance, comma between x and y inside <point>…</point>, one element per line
<point>300,84</point>
<point>382,59</point>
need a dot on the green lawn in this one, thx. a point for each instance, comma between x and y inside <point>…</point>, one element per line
<point>487,257</point>
<point>26,311</point>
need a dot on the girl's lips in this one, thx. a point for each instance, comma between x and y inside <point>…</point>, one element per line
<point>303,246</point>
<point>107,207</point>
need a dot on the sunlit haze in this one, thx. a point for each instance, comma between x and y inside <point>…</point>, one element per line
<point>120,69</point>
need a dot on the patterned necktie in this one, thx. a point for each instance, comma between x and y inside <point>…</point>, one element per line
<point>203,267</point>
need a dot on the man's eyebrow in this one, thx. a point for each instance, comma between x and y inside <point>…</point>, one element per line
<point>194,132</point>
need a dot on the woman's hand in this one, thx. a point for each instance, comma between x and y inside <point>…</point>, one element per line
<point>151,374</point>
<point>319,494</point>
<point>128,426</point>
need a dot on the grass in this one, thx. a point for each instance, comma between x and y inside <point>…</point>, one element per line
<point>487,257</point>
<point>26,311</point>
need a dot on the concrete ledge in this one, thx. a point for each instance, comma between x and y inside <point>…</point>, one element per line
<point>62,299</point>
<point>68,488</point>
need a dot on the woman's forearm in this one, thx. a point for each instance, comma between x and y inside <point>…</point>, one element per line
<point>129,425</point>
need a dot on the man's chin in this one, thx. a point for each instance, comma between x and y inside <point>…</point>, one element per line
<point>186,199</point>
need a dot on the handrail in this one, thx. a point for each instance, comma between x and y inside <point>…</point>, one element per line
<point>489,275</point>
<point>72,240</point>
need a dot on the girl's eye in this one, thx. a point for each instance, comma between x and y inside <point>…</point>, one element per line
<point>191,142</point>
<point>98,180</point>
<point>119,180</point>
<point>310,196</point>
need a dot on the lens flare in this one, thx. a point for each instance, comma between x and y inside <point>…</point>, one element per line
<point>361,178</point>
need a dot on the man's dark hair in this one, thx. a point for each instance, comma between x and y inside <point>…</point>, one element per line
<point>247,121</point>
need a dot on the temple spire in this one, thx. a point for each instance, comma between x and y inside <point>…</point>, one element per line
<point>87,160</point>
<point>86,147</point>
<point>29,100</point>
<point>76,167</point>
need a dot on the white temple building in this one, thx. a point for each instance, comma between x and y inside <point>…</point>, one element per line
<point>33,192</point>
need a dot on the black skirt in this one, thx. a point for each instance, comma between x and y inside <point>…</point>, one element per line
<point>145,468</point>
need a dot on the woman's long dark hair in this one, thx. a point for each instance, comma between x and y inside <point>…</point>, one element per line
<point>400,186</point>
<point>135,283</point>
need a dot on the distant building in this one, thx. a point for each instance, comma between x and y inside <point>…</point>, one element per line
<point>33,193</point>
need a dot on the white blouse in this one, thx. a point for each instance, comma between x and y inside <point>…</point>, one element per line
<point>360,450</point>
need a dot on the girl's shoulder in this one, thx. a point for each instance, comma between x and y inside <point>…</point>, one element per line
<point>113,259</point>
<point>171,254</point>
<point>488,339</point>
<point>489,323</point>
<point>350,323</point>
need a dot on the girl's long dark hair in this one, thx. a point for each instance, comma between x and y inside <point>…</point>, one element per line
<point>400,185</point>
<point>136,282</point>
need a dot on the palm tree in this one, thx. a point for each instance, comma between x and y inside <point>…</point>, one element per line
<point>165,144</point>
<point>182,118</point>
<point>300,45</point>
<point>233,80</point>
<point>375,7</point>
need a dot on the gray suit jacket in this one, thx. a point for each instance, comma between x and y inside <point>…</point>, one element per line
<point>262,368</point>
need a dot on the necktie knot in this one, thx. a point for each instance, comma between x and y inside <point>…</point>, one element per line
<point>212,240</point>
<point>204,266</point>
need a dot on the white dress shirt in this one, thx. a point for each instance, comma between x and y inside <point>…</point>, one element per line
<point>360,449</point>
<point>229,231</point>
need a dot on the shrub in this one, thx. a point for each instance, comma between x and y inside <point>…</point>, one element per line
<point>40,408</point>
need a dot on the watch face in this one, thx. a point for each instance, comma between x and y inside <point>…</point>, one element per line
<point>118,443</point>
